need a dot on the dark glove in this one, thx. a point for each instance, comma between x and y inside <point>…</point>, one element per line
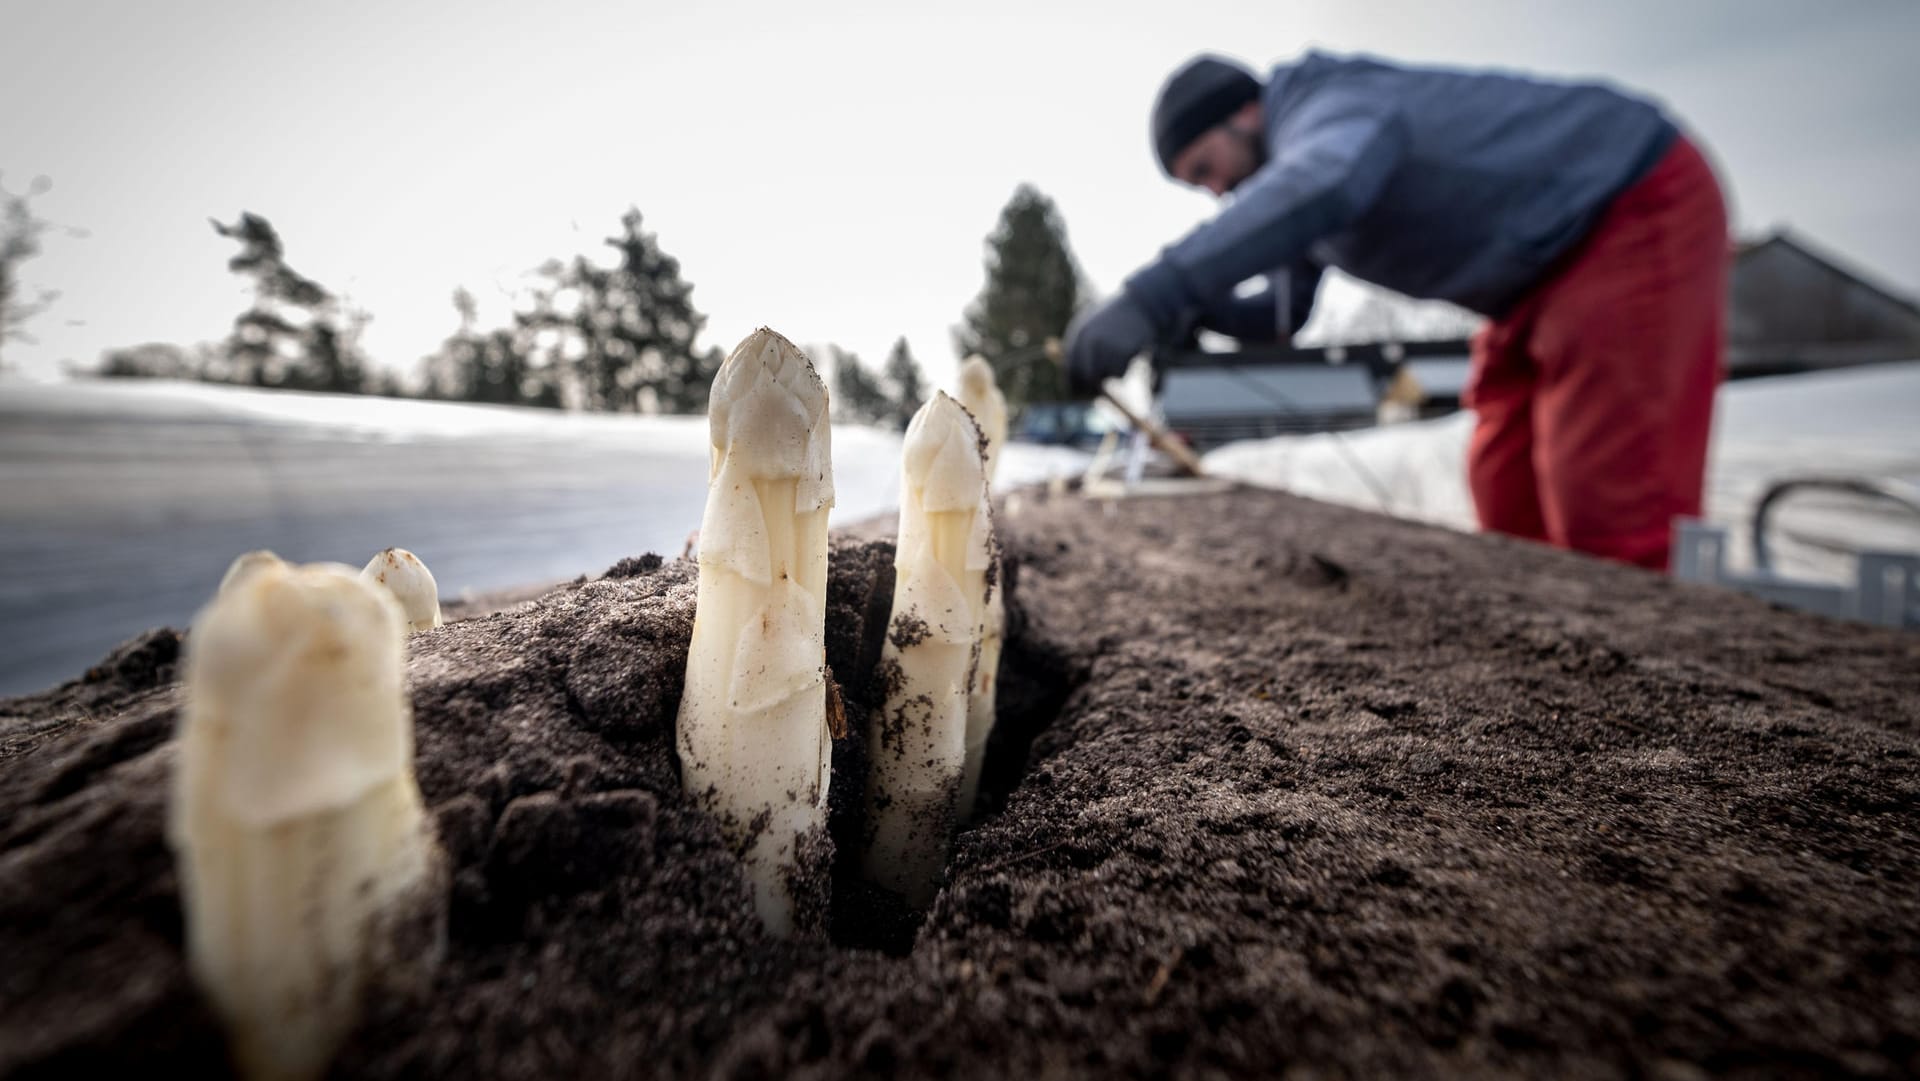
<point>1102,340</point>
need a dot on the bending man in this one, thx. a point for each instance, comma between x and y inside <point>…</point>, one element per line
<point>1578,219</point>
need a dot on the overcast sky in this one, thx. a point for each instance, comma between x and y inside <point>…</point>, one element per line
<point>829,170</point>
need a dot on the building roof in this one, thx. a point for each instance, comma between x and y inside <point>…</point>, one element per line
<point>1786,239</point>
<point>1300,389</point>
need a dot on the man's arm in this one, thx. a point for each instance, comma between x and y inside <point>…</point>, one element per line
<point>1274,313</point>
<point>1330,167</point>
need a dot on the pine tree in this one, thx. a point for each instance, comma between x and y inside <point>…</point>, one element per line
<point>859,396</point>
<point>446,373</point>
<point>904,383</point>
<point>1033,288</point>
<point>495,366</point>
<point>294,335</point>
<point>20,233</point>
<point>627,331</point>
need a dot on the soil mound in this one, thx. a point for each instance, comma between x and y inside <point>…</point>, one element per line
<point>1276,785</point>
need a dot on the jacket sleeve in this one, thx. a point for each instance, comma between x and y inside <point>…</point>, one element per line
<point>1330,161</point>
<point>1274,313</point>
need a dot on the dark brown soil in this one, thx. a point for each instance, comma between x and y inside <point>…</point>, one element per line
<point>1278,787</point>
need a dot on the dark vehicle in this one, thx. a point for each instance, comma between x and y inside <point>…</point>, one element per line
<point>1063,424</point>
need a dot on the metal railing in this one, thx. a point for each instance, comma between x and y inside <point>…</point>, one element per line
<point>1886,586</point>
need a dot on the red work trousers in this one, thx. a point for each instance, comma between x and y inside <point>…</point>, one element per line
<point>1595,393</point>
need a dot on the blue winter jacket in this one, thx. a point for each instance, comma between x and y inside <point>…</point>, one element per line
<point>1450,185</point>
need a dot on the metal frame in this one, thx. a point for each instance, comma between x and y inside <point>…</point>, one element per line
<point>1886,590</point>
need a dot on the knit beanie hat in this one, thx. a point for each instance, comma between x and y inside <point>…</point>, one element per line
<point>1201,94</point>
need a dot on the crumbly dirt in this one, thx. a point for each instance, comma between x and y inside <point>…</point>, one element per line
<point>1278,787</point>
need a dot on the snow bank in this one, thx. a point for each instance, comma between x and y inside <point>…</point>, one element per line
<point>1860,422</point>
<point>123,502</point>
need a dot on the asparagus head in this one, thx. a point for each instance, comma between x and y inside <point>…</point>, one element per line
<point>410,582</point>
<point>983,399</point>
<point>248,562</point>
<point>917,748</point>
<point>989,408</point>
<point>754,744</point>
<point>308,870</point>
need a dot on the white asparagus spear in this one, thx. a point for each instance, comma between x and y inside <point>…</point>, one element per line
<point>754,745</point>
<point>989,408</point>
<point>410,582</point>
<point>983,399</point>
<point>308,870</point>
<point>917,748</point>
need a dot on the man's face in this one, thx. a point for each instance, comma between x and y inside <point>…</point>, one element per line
<point>1226,155</point>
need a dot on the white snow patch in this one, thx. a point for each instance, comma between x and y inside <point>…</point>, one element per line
<point>1861,422</point>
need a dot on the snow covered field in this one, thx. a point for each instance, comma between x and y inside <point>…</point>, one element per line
<point>1862,422</point>
<point>122,503</point>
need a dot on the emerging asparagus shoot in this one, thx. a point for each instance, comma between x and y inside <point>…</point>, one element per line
<point>989,408</point>
<point>410,582</point>
<point>917,748</point>
<point>983,399</point>
<point>754,744</point>
<point>308,871</point>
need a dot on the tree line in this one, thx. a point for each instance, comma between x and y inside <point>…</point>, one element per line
<point>607,335</point>
<point>617,331</point>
